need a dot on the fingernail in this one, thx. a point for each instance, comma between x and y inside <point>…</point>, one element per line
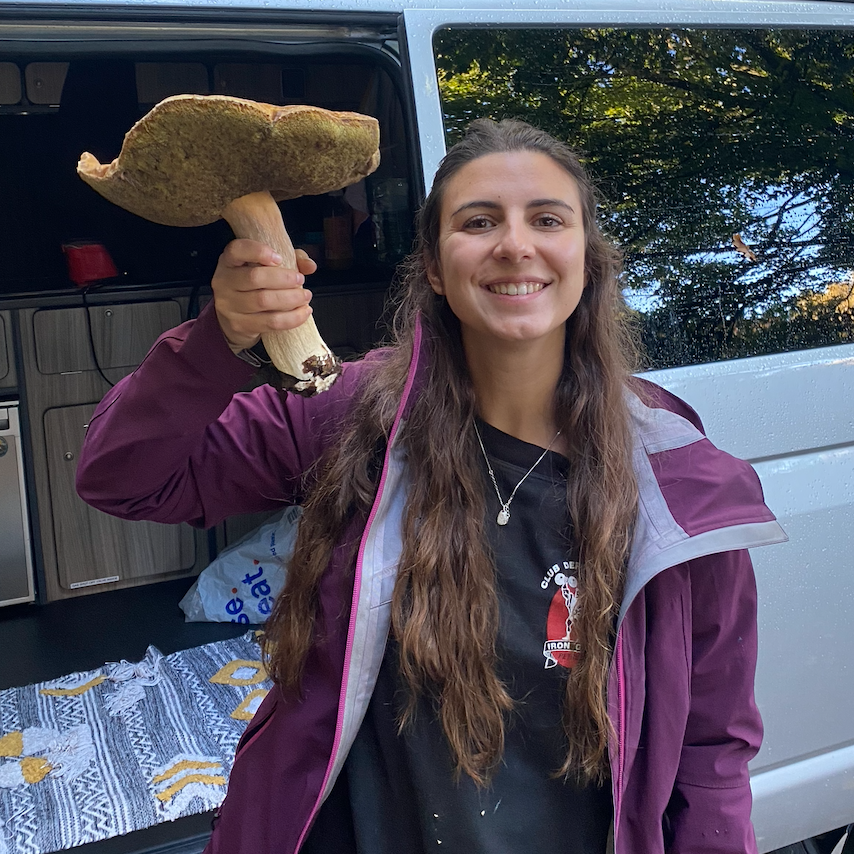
<point>276,258</point>
<point>300,279</point>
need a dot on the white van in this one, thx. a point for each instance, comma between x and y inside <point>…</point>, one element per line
<point>722,135</point>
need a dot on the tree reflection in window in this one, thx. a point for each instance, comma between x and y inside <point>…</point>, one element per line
<point>702,141</point>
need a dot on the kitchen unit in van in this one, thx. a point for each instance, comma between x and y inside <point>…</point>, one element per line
<point>760,347</point>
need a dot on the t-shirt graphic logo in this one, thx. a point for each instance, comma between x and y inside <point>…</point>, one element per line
<point>562,646</point>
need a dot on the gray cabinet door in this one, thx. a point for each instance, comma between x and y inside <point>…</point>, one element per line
<point>16,573</point>
<point>121,335</point>
<point>93,548</point>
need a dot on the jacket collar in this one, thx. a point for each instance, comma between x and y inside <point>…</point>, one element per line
<point>693,498</point>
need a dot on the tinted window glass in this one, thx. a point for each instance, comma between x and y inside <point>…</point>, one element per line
<point>725,158</point>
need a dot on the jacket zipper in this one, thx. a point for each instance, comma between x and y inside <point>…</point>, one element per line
<point>357,581</point>
<point>621,734</point>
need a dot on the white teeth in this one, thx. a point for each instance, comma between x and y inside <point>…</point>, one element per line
<point>513,289</point>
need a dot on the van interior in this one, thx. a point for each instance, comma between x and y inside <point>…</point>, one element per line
<point>88,588</point>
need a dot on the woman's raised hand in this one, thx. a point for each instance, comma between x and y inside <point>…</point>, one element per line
<point>254,295</point>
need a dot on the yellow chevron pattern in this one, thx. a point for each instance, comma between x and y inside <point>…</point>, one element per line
<point>225,675</point>
<point>246,710</point>
<point>170,792</point>
<point>205,770</point>
<point>73,692</point>
<point>184,765</point>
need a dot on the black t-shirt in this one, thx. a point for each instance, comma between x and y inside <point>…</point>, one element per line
<point>398,794</point>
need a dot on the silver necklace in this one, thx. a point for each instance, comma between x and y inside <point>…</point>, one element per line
<point>504,513</point>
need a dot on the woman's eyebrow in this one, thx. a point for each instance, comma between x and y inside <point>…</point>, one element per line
<point>548,203</point>
<point>481,204</point>
<point>535,203</point>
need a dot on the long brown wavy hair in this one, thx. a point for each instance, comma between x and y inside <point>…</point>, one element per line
<point>445,607</point>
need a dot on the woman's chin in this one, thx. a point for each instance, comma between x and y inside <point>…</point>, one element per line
<point>518,335</point>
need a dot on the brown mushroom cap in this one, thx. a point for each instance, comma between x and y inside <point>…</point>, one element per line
<point>191,155</point>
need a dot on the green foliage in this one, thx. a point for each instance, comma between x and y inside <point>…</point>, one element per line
<point>693,136</point>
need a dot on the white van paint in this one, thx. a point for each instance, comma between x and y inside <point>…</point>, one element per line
<point>792,416</point>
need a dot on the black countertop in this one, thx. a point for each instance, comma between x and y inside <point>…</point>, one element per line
<point>39,295</point>
<point>71,297</point>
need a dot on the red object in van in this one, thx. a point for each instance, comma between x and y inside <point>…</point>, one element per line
<point>88,262</point>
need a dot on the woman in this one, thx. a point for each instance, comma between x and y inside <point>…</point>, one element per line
<point>519,608</point>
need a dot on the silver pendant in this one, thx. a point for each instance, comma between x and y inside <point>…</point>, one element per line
<point>503,516</point>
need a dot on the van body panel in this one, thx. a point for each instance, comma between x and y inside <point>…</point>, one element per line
<point>770,410</point>
<point>801,800</point>
<point>799,401</point>
<point>468,10</point>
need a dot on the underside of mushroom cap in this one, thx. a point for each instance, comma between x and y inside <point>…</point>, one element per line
<point>191,155</point>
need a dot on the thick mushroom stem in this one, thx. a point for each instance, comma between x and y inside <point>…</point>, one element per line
<point>300,354</point>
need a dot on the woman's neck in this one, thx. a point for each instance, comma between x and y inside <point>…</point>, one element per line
<point>514,387</point>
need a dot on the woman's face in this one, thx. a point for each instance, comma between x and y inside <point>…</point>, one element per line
<point>511,249</point>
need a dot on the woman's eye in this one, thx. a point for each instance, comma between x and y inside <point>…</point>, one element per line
<point>548,220</point>
<point>478,223</point>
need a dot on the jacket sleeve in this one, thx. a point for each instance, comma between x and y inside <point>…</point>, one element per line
<point>709,811</point>
<point>175,442</point>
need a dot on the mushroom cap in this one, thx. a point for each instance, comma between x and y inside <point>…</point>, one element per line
<point>191,155</point>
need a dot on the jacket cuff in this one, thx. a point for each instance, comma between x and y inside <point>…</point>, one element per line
<point>204,346</point>
<point>255,356</point>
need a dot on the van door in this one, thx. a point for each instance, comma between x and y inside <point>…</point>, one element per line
<point>78,330</point>
<point>726,166</point>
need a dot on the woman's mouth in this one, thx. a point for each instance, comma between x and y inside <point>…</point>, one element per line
<point>514,289</point>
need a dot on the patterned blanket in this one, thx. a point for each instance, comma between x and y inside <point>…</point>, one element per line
<point>123,747</point>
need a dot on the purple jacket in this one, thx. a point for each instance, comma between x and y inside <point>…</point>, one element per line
<point>174,443</point>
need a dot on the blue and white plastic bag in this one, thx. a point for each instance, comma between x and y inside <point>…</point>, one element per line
<point>242,582</point>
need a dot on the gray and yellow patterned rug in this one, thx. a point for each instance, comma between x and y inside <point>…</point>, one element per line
<point>123,747</point>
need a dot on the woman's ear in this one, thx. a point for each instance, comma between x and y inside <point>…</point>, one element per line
<point>435,278</point>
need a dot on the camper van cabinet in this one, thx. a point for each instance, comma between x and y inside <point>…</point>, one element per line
<point>83,550</point>
<point>121,335</point>
<point>92,548</point>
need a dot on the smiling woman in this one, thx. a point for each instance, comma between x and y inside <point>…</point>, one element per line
<point>506,681</point>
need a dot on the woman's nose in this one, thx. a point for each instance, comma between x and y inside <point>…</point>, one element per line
<point>514,241</point>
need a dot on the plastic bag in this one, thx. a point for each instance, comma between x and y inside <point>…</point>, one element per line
<point>241,583</point>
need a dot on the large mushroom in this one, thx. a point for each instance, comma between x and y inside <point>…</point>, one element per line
<point>193,159</point>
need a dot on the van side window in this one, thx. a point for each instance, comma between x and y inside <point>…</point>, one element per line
<point>725,161</point>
